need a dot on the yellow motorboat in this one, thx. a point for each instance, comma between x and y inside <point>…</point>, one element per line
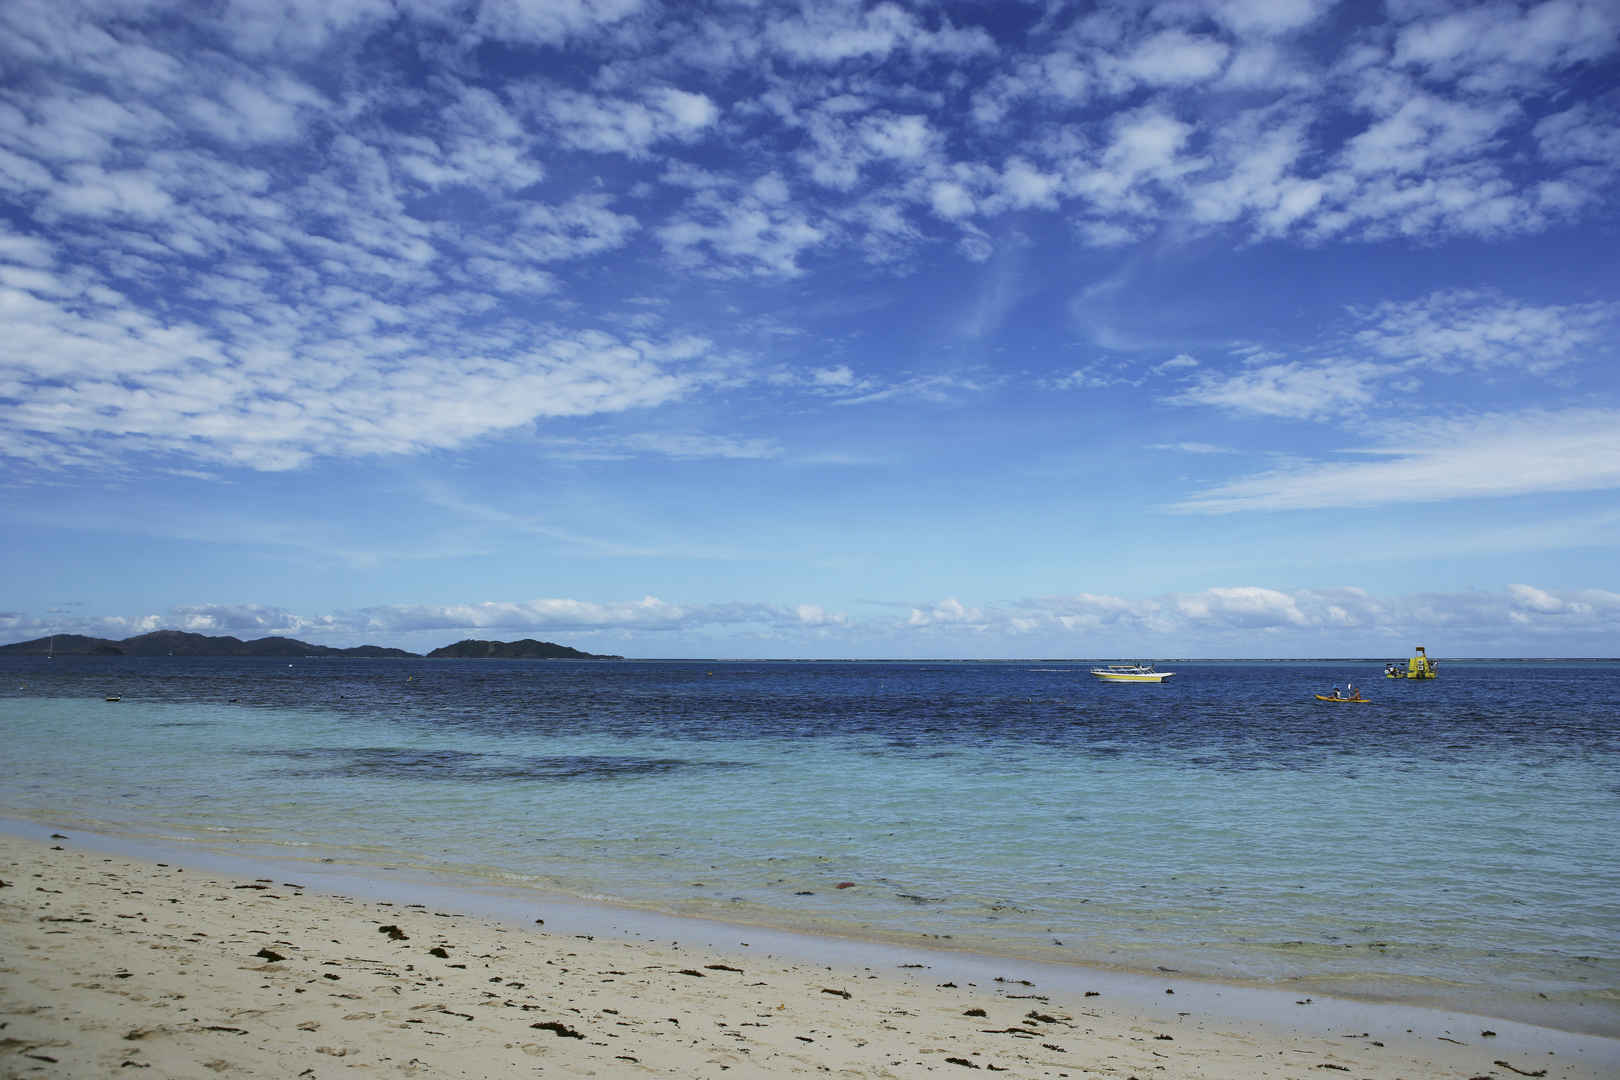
<point>1419,667</point>
<point>1130,673</point>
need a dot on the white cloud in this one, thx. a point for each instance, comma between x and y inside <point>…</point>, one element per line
<point>1400,345</point>
<point>689,112</point>
<point>1023,185</point>
<point>949,611</point>
<point>1301,391</point>
<point>269,111</point>
<point>903,138</point>
<point>1237,620</point>
<point>934,388</point>
<point>592,122</point>
<point>692,446</point>
<point>1581,134</point>
<point>826,33</point>
<point>112,385</point>
<point>1469,329</point>
<point>816,615</point>
<point>950,200</point>
<point>237,233</point>
<point>1175,57</point>
<point>1483,456</point>
<point>729,239</point>
<point>1493,47</point>
<point>1246,606</point>
<point>1194,448</point>
<point>1269,16</point>
<point>583,226</point>
<point>1528,596</point>
<point>552,22</point>
<point>840,376</point>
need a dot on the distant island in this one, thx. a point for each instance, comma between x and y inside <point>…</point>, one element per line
<point>527,649</point>
<point>181,643</point>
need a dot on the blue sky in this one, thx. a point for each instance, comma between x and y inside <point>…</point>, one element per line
<point>995,329</point>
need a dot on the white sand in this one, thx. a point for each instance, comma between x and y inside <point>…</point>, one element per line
<point>111,966</point>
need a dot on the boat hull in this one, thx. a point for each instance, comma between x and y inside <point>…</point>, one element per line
<point>1115,676</point>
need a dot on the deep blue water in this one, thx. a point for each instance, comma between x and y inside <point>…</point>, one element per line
<point>1450,841</point>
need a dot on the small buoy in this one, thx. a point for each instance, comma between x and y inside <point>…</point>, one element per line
<point>115,699</point>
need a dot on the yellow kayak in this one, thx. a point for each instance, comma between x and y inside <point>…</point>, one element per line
<point>1343,700</point>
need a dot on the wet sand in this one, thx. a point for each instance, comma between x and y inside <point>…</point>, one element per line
<point>117,966</point>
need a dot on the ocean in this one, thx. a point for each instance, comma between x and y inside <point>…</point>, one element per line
<point>1451,842</point>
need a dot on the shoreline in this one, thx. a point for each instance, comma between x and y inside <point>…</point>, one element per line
<point>81,915</point>
<point>814,941</point>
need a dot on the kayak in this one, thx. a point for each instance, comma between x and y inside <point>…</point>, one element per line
<point>1343,700</point>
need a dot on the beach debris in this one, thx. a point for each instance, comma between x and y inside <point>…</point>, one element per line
<point>1015,982</point>
<point>975,1012</point>
<point>1521,1072</point>
<point>563,1030</point>
<point>845,994</point>
<point>394,933</point>
<point>845,885</point>
<point>1487,1034</point>
<point>722,967</point>
<point>270,955</point>
<point>689,971</point>
<point>1330,1065</point>
<point>439,951</point>
<point>961,1061</point>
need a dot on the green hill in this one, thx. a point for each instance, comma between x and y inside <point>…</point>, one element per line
<point>527,649</point>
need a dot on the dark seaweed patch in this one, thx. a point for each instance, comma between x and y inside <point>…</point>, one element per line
<point>395,763</point>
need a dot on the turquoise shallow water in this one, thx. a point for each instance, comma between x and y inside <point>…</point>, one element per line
<point>1449,843</point>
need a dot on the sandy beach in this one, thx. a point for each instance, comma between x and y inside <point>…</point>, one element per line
<point>110,964</point>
